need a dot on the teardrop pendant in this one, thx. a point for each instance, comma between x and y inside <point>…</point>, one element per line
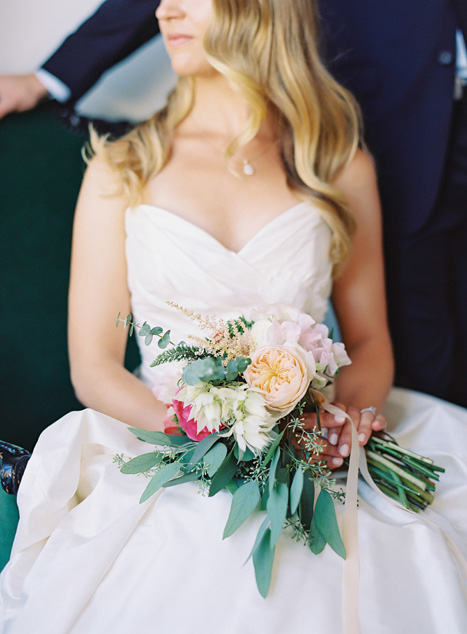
<point>248,168</point>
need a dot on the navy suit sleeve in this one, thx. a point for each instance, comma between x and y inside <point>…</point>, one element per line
<point>114,31</point>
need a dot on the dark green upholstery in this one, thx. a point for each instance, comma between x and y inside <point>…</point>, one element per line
<point>8,522</point>
<point>40,174</point>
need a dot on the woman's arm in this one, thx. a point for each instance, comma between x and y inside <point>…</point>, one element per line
<point>360,304</point>
<point>98,292</point>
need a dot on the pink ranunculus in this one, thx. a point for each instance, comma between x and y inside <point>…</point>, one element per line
<point>188,424</point>
<point>170,426</point>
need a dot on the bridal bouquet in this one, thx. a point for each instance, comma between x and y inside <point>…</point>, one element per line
<point>235,423</point>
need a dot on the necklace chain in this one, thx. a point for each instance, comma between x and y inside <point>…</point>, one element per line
<point>247,164</point>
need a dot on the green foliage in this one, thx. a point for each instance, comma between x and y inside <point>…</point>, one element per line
<point>277,509</point>
<point>204,446</point>
<point>164,340</point>
<point>244,501</point>
<point>161,439</point>
<point>224,474</point>
<point>142,463</point>
<point>315,539</point>
<point>263,558</point>
<point>273,447</point>
<point>210,370</point>
<point>239,325</point>
<point>307,499</point>
<point>326,522</point>
<point>214,458</point>
<point>180,352</point>
<point>244,456</point>
<point>165,473</point>
<point>296,490</point>
<point>188,477</point>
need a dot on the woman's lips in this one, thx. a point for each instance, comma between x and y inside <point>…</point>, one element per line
<point>178,39</point>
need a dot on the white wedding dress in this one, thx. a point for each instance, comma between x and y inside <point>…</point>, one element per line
<point>89,559</point>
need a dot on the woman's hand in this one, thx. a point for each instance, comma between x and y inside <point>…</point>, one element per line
<point>333,427</point>
<point>365,423</point>
<point>336,446</point>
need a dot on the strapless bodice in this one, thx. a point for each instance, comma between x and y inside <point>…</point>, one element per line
<point>169,258</point>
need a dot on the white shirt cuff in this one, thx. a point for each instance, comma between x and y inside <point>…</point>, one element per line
<point>56,88</point>
<point>461,62</point>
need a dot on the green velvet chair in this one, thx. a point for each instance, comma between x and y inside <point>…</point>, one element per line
<point>41,169</point>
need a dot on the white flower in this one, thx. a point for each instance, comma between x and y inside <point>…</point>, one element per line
<point>259,332</point>
<point>206,405</point>
<point>253,426</point>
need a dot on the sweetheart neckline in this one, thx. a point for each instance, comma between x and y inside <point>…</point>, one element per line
<point>190,224</point>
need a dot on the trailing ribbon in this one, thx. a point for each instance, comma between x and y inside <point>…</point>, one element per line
<point>357,462</point>
<point>350,531</point>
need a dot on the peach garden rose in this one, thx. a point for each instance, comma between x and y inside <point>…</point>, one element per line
<point>281,373</point>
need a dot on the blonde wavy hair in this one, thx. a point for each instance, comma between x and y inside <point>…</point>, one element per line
<point>267,49</point>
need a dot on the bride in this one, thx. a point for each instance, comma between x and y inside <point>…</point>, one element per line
<point>249,188</point>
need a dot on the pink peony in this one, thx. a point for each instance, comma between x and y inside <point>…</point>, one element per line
<point>187,423</point>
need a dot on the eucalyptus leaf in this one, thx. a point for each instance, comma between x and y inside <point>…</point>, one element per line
<point>186,459</point>
<point>232,370</point>
<point>307,500</point>
<point>232,486</point>
<point>264,499</point>
<point>118,319</point>
<point>206,370</point>
<point>283,475</point>
<point>244,456</point>
<point>164,474</point>
<point>315,540</point>
<point>262,530</point>
<point>296,490</point>
<point>188,477</point>
<point>244,501</point>
<point>142,463</point>
<point>214,458</point>
<point>159,438</point>
<point>190,374</point>
<point>144,330</point>
<point>203,446</point>
<point>164,340</point>
<point>272,470</point>
<point>242,364</point>
<point>277,509</point>
<point>148,339</point>
<point>157,330</point>
<point>273,448</point>
<point>326,522</point>
<point>224,474</point>
<point>128,319</point>
<point>263,560</point>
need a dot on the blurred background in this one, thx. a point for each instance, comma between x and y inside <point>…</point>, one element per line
<point>40,173</point>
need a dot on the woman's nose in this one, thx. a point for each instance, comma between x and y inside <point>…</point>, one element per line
<point>169,9</point>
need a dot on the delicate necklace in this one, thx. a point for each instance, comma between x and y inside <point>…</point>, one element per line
<point>247,164</point>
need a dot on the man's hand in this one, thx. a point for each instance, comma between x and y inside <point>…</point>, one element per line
<point>20,92</point>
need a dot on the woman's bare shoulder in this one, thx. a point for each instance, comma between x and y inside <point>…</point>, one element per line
<point>357,182</point>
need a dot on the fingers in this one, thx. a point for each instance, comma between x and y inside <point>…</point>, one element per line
<point>379,423</point>
<point>338,443</point>
<point>19,93</point>
<point>326,421</point>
